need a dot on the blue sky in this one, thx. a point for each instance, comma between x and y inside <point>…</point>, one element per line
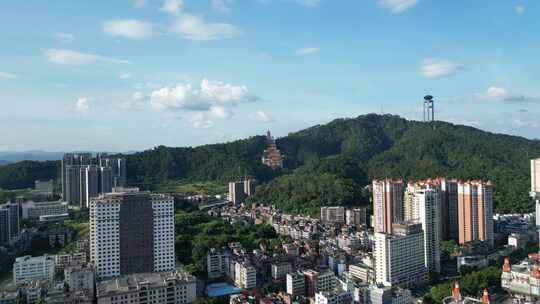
<point>130,75</point>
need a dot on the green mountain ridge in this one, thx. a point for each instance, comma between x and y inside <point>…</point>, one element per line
<point>331,163</point>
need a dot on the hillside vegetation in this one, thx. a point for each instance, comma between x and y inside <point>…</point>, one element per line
<point>331,163</point>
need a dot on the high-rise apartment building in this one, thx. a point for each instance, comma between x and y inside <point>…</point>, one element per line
<point>272,156</point>
<point>427,202</point>
<point>89,183</point>
<point>131,232</point>
<point>249,186</point>
<point>449,209</point>
<point>84,177</point>
<point>71,163</point>
<point>4,227</point>
<point>9,223</point>
<point>14,221</point>
<point>118,169</point>
<point>333,215</point>
<point>475,211</point>
<point>535,188</point>
<point>448,226</point>
<point>399,257</point>
<point>236,192</point>
<point>387,204</point>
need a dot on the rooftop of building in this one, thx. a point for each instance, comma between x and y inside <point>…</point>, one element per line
<point>133,282</point>
<point>29,258</point>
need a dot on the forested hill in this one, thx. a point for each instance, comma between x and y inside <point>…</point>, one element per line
<point>329,164</point>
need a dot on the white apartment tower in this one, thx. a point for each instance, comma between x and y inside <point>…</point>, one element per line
<point>399,257</point>
<point>131,232</point>
<point>427,202</point>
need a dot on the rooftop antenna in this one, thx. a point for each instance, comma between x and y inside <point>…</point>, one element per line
<point>429,108</point>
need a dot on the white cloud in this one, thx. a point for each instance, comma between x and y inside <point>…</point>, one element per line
<point>125,75</point>
<point>223,6</point>
<point>128,28</point>
<point>65,37</point>
<point>307,51</point>
<point>210,93</point>
<point>435,68</point>
<point>6,75</point>
<point>174,98</point>
<point>139,3</point>
<point>309,3</point>
<point>495,93</point>
<point>82,104</point>
<point>135,103</point>
<point>225,93</point>
<point>262,116</point>
<point>201,121</point>
<point>172,6</point>
<point>209,101</point>
<point>397,6</point>
<point>70,57</point>
<point>520,9</point>
<point>196,28</point>
<point>526,123</point>
<point>221,112</point>
<point>138,96</point>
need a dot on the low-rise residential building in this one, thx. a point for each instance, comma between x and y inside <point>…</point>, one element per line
<point>33,210</point>
<point>296,285</point>
<point>333,215</point>
<point>361,272</point>
<point>478,261</point>
<point>27,268</point>
<point>217,263</point>
<point>81,278</point>
<point>317,281</point>
<point>245,275</point>
<point>64,260</point>
<point>333,297</point>
<point>176,287</point>
<point>8,297</point>
<point>291,249</point>
<point>389,295</point>
<point>280,270</point>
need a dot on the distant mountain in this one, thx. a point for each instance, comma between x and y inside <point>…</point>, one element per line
<point>331,163</point>
<point>15,156</point>
<point>3,162</point>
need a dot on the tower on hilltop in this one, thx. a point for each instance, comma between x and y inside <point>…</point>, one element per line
<point>272,156</point>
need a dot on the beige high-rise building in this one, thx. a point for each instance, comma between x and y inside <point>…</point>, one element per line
<point>535,176</point>
<point>535,188</point>
<point>423,205</point>
<point>448,226</point>
<point>475,211</point>
<point>387,204</point>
